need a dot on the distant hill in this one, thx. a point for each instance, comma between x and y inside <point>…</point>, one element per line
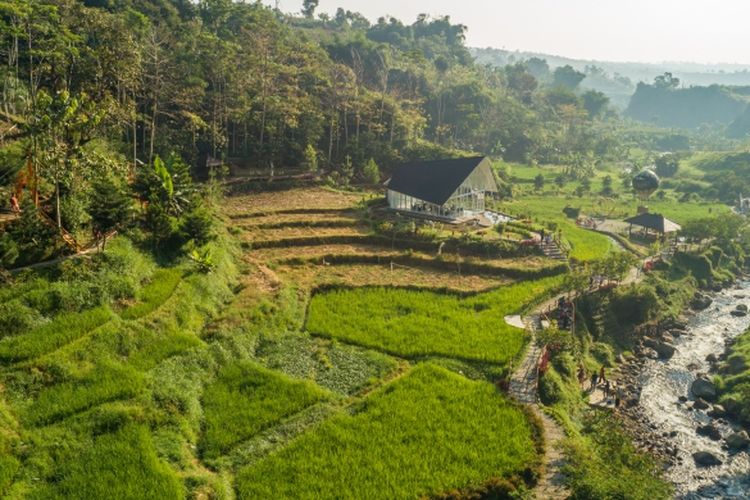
<point>690,107</point>
<point>618,80</point>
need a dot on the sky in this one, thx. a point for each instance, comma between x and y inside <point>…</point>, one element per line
<point>703,31</point>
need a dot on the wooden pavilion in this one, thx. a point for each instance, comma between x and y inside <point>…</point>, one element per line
<point>653,222</point>
<point>450,190</point>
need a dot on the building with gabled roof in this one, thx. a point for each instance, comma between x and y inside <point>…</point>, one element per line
<point>653,222</point>
<point>443,189</point>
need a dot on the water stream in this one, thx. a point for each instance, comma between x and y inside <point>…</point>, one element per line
<point>663,382</point>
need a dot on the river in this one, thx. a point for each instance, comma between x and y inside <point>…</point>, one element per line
<point>663,382</point>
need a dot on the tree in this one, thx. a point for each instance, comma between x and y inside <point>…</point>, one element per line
<point>595,102</point>
<point>311,159</point>
<point>666,81</point>
<point>371,172</point>
<point>607,186</point>
<point>568,77</point>
<point>111,208</point>
<point>539,182</point>
<point>667,165</point>
<point>308,8</point>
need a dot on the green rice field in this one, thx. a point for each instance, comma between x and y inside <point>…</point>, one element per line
<point>413,323</point>
<point>426,433</point>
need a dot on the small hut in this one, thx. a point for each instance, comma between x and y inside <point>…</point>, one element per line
<point>449,190</point>
<point>653,222</point>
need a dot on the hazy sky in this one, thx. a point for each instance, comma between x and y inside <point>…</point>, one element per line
<point>707,31</point>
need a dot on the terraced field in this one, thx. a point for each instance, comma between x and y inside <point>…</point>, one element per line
<point>174,383</point>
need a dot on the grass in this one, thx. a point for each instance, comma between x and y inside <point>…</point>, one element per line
<point>429,432</point>
<point>122,464</point>
<point>413,323</point>
<point>62,330</point>
<point>162,286</point>
<point>104,383</point>
<point>605,464</point>
<point>246,399</point>
<point>734,382</point>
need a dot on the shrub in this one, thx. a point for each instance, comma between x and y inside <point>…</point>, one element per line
<point>634,305</point>
<point>371,172</point>
<point>198,225</point>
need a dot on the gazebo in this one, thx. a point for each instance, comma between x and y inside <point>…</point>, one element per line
<point>654,222</point>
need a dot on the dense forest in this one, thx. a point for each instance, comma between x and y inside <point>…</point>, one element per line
<point>237,80</point>
<point>666,105</point>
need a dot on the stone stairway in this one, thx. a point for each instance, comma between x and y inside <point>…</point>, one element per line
<point>523,388</point>
<point>552,250</point>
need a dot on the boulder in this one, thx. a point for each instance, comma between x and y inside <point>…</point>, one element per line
<point>741,307</point>
<point>738,441</point>
<point>700,404</point>
<point>738,313</point>
<point>665,350</point>
<point>700,302</point>
<point>703,388</point>
<point>706,459</point>
<point>717,411</point>
<point>709,431</point>
<point>711,358</point>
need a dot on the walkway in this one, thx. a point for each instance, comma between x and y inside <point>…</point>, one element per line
<point>523,388</point>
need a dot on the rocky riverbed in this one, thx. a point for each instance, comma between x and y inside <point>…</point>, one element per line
<point>669,408</point>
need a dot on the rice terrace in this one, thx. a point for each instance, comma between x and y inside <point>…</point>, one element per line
<point>249,251</point>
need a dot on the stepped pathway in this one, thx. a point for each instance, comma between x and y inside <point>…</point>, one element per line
<point>552,250</point>
<point>523,388</point>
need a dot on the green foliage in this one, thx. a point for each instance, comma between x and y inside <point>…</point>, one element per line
<point>163,284</point>
<point>311,158</point>
<point>667,165</point>
<point>371,172</point>
<point>420,323</point>
<point>111,208</point>
<point>198,225</point>
<point>8,250</point>
<point>734,389</point>
<point>388,448</point>
<point>605,464</point>
<point>34,239</point>
<point>634,305</point>
<point>246,399</point>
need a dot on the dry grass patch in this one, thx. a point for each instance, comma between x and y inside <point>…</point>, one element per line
<point>323,218</point>
<point>296,198</point>
<point>350,275</point>
<point>286,233</point>
<point>319,251</point>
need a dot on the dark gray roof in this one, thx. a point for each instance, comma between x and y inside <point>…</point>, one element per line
<point>433,181</point>
<point>656,222</point>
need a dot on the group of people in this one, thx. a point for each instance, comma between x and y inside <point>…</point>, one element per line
<point>565,312</point>
<point>599,379</point>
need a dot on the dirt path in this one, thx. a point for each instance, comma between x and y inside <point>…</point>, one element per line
<point>523,388</point>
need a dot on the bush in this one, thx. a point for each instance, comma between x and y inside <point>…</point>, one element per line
<point>634,305</point>
<point>198,225</point>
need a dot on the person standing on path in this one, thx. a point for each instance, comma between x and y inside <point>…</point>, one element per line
<point>594,380</point>
<point>602,375</point>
